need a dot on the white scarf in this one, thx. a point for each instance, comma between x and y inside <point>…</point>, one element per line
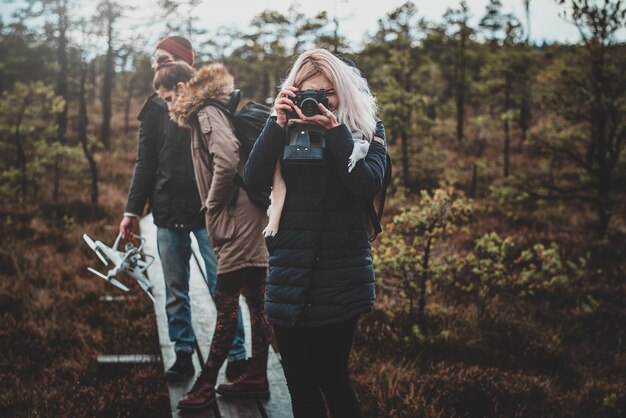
<point>279,189</point>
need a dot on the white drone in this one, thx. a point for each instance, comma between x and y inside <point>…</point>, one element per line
<point>132,260</point>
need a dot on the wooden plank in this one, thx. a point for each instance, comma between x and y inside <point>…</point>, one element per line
<point>116,298</point>
<point>279,403</point>
<point>127,358</point>
<point>203,318</point>
<point>155,272</point>
<point>203,321</point>
<point>178,390</point>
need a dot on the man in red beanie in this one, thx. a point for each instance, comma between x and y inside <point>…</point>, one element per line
<point>164,178</point>
<point>174,48</point>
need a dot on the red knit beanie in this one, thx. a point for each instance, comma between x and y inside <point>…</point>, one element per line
<point>178,46</point>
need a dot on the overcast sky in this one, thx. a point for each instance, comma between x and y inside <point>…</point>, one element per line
<point>360,16</point>
<point>357,17</point>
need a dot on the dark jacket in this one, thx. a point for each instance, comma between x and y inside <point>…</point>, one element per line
<point>321,268</point>
<point>164,175</point>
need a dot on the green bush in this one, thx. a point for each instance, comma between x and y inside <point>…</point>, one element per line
<point>405,252</point>
<point>490,271</point>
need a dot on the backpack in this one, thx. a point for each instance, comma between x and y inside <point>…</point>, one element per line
<point>248,122</point>
<point>377,204</point>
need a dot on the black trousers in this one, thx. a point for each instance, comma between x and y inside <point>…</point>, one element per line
<point>250,282</point>
<point>315,361</point>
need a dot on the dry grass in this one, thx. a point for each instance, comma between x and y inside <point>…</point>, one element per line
<point>53,324</point>
<point>557,356</point>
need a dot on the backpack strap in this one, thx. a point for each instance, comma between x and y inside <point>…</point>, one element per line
<point>229,110</point>
<point>235,98</point>
<point>231,107</point>
<point>376,216</point>
<point>220,106</point>
<point>375,221</point>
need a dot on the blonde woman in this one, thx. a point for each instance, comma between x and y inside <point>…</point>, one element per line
<point>321,274</point>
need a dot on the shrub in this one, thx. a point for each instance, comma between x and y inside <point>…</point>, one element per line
<point>406,248</point>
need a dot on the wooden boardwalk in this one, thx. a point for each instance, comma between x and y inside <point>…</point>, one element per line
<point>203,321</point>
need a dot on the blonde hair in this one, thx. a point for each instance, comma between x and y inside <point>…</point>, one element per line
<point>357,106</point>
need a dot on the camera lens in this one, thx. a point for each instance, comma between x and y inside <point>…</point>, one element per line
<point>309,107</point>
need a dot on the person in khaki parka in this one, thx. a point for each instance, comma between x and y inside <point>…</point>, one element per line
<point>234,224</point>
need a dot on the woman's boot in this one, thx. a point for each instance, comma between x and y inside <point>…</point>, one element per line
<point>253,382</point>
<point>202,394</point>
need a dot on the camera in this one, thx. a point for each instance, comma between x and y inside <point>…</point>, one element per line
<point>308,102</point>
<point>306,142</point>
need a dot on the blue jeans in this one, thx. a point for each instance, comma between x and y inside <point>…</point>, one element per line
<point>174,247</point>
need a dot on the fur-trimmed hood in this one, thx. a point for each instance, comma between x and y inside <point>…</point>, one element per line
<point>210,82</point>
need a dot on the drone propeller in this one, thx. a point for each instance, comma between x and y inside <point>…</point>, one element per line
<point>149,293</point>
<point>93,246</point>
<point>144,283</point>
<point>111,280</point>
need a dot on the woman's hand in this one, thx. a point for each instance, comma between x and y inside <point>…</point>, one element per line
<point>326,120</point>
<point>283,105</point>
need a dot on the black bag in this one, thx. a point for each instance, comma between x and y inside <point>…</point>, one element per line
<point>377,205</point>
<point>249,122</point>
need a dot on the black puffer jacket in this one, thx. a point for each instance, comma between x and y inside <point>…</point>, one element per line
<point>164,175</point>
<point>320,261</point>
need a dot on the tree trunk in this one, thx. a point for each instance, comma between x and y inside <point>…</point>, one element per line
<point>460,89</point>
<point>527,9</point>
<point>336,35</point>
<point>507,136</point>
<point>421,305</point>
<point>599,139</point>
<point>266,88</point>
<point>107,85</point>
<point>472,192</point>
<point>61,89</point>
<point>603,172</point>
<point>21,154</point>
<point>524,112</point>
<point>405,158</point>
<point>127,103</point>
<point>83,121</point>
<point>603,209</point>
<point>409,290</point>
<point>93,78</point>
<point>21,164</point>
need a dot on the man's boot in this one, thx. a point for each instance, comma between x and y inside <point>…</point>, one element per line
<point>201,395</point>
<point>182,368</point>
<point>253,382</point>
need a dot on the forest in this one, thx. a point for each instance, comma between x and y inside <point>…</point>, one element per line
<point>500,271</point>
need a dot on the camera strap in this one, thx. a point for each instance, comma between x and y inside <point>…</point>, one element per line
<point>305,145</point>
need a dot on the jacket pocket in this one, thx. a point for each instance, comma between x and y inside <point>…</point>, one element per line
<point>221,227</point>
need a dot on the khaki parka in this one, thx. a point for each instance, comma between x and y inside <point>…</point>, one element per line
<point>235,224</point>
